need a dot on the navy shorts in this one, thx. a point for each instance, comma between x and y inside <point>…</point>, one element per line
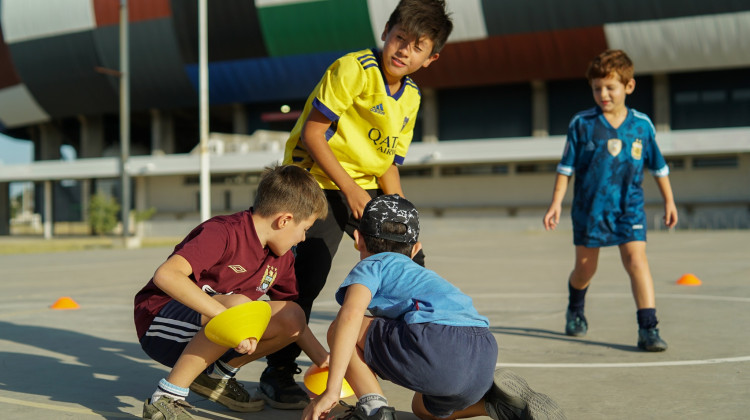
<point>170,333</point>
<point>453,367</point>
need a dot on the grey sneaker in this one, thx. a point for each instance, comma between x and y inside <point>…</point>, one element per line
<point>358,413</point>
<point>228,393</point>
<point>167,408</point>
<point>511,398</point>
<point>649,340</point>
<point>278,388</point>
<point>575,324</point>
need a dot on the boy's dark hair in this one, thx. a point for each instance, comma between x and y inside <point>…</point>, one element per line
<point>377,245</point>
<point>423,18</point>
<point>611,62</point>
<point>289,188</point>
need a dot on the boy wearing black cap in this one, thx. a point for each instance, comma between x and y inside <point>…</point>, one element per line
<point>423,334</point>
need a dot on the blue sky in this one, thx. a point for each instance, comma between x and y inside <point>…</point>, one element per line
<point>13,151</point>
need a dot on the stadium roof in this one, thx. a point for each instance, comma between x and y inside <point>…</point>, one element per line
<point>54,54</point>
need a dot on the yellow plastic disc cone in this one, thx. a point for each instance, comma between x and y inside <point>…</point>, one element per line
<point>316,379</point>
<point>238,323</point>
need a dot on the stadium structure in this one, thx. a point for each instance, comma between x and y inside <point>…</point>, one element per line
<point>495,106</point>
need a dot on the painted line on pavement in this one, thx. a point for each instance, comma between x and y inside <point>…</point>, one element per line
<point>628,365</point>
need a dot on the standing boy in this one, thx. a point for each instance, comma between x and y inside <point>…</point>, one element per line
<point>355,128</point>
<point>226,261</point>
<point>607,149</point>
<point>424,334</point>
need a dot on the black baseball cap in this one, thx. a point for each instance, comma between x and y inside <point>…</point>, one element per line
<point>390,208</point>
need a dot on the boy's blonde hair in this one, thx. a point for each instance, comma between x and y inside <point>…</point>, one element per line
<point>423,18</point>
<point>611,62</point>
<point>289,188</point>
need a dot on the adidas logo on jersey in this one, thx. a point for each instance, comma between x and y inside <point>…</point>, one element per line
<point>378,109</point>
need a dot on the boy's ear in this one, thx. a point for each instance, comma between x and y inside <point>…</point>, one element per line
<point>357,239</point>
<point>415,248</point>
<point>283,219</point>
<point>385,33</point>
<point>630,87</point>
<point>429,61</point>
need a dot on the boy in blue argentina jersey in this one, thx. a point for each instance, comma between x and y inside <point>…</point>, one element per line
<point>607,149</point>
<point>423,334</point>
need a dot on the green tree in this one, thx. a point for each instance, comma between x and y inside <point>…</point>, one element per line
<point>103,211</point>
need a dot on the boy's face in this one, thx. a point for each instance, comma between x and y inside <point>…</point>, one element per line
<point>289,234</point>
<point>610,92</point>
<point>404,54</point>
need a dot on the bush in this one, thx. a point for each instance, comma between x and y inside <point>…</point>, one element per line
<point>103,211</point>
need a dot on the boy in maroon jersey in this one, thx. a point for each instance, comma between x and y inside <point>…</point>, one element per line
<point>226,261</point>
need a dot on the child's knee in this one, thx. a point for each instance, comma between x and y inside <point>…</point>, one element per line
<point>584,270</point>
<point>292,319</point>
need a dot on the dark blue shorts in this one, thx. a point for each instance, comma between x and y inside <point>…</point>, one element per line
<point>171,331</point>
<point>453,367</point>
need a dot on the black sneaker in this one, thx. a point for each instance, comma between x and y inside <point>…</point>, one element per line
<point>358,413</point>
<point>278,388</point>
<point>649,340</point>
<point>575,324</point>
<point>511,398</point>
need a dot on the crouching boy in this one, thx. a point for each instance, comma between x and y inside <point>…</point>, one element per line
<point>226,261</point>
<point>423,334</point>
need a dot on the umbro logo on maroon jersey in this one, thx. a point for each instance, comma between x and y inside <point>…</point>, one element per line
<point>237,268</point>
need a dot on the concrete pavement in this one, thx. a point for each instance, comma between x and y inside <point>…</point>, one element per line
<point>87,364</point>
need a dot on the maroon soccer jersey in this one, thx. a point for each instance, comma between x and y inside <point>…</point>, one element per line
<point>227,257</point>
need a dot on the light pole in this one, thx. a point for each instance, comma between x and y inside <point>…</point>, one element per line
<point>124,119</point>
<point>205,174</point>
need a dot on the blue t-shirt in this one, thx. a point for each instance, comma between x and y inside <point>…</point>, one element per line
<point>402,289</point>
<point>608,165</point>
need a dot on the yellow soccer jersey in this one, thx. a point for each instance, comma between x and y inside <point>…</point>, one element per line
<point>371,129</point>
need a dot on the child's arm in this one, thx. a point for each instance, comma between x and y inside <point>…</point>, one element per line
<point>552,217</point>
<point>313,137</point>
<point>312,347</point>
<point>173,278</point>
<point>343,342</point>
<point>390,181</point>
<point>670,209</point>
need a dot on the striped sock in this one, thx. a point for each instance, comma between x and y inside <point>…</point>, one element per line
<point>221,370</point>
<point>170,390</point>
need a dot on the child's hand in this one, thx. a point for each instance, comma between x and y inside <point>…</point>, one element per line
<point>320,407</point>
<point>670,215</point>
<point>247,346</point>
<point>552,218</point>
<point>357,200</point>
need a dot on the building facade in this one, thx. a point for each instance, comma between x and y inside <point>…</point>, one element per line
<point>495,109</point>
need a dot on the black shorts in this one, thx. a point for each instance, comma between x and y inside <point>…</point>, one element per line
<point>170,333</point>
<point>453,367</point>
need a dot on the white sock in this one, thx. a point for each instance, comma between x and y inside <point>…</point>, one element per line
<point>169,389</point>
<point>372,402</point>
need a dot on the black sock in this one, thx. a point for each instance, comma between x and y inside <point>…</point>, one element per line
<point>647,318</point>
<point>576,299</point>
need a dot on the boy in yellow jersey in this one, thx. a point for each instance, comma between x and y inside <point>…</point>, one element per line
<point>355,128</point>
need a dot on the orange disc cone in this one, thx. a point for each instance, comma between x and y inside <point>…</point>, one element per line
<point>689,280</point>
<point>65,303</point>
